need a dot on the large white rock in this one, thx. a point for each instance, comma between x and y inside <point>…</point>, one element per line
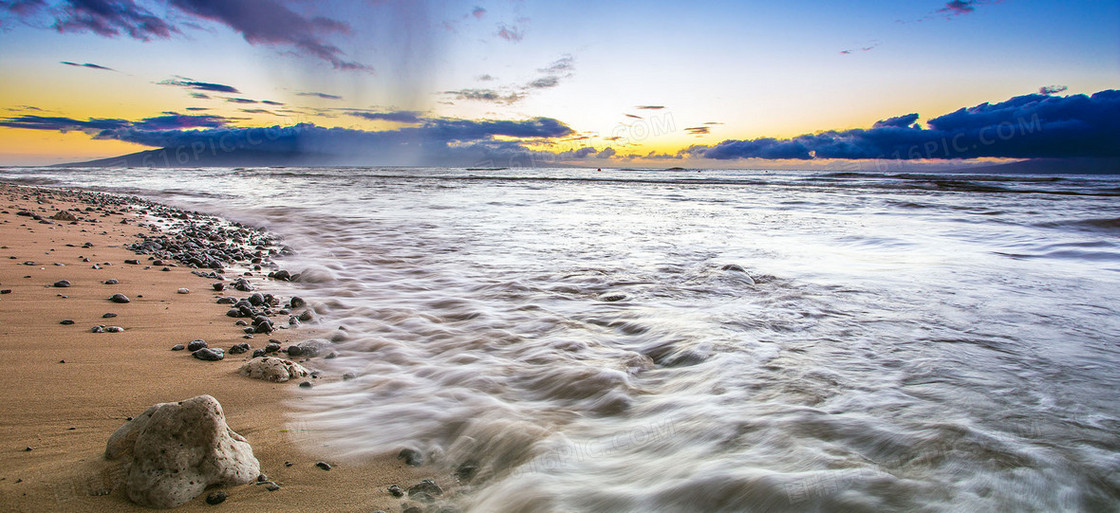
<point>274,369</point>
<point>178,450</point>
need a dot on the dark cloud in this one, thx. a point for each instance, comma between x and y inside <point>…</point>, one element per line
<point>485,78</point>
<point>1053,89</point>
<point>607,153</point>
<point>201,86</point>
<point>478,13</point>
<point>89,65</point>
<point>200,96</point>
<point>198,108</point>
<point>324,96</point>
<point>270,22</point>
<point>436,141</point>
<point>270,102</point>
<point>650,107</point>
<point>258,111</point>
<point>698,130</point>
<point>633,116</point>
<point>153,124</point>
<point>240,100</point>
<point>958,7</point>
<point>22,7</point>
<point>544,83</point>
<point>484,95</point>
<point>1030,126</point>
<point>403,116</point>
<point>899,121</point>
<point>109,18</point>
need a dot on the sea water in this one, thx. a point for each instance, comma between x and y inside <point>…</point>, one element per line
<point>715,341</point>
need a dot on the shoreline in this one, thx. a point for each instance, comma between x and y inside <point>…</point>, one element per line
<point>69,388</point>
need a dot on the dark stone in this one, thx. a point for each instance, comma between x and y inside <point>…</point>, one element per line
<point>66,322</point>
<point>426,486</point>
<point>466,471</point>
<point>226,301</point>
<point>216,498</point>
<point>271,486</point>
<point>219,286</point>
<point>396,491</point>
<point>349,376</point>
<point>272,347</point>
<point>132,261</point>
<point>114,329</point>
<point>305,316</point>
<point>210,354</point>
<point>239,348</point>
<point>196,344</point>
<point>111,282</point>
<point>323,465</point>
<point>62,283</point>
<point>257,299</point>
<point>108,315</point>
<point>306,384</point>
<point>257,353</point>
<point>411,457</point>
<point>98,329</point>
<point>288,463</point>
<point>120,298</point>
<point>178,347</point>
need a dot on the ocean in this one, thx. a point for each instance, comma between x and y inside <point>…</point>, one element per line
<point>573,340</point>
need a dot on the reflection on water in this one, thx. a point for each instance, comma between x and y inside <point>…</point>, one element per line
<point>716,341</point>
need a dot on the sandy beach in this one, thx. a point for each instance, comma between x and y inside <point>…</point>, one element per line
<point>68,389</point>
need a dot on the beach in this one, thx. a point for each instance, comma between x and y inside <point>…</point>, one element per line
<point>68,389</point>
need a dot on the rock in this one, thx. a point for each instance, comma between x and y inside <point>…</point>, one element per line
<point>120,298</point>
<point>323,465</point>
<point>183,290</point>
<point>396,491</point>
<point>272,347</point>
<point>306,316</point>
<point>114,329</point>
<point>98,329</point>
<point>179,449</point>
<point>132,261</point>
<point>426,486</point>
<point>62,283</point>
<point>421,496</point>
<point>411,457</point>
<point>110,282</point>
<point>296,302</point>
<point>466,472</point>
<point>210,354</point>
<point>219,286</point>
<point>178,347</point>
<point>108,315</point>
<point>63,215</point>
<point>276,370</point>
<point>216,498</point>
<point>66,322</point>
<point>306,384</point>
<point>349,376</point>
<point>196,344</point>
<point>309,348</point>
<point>240,348</point>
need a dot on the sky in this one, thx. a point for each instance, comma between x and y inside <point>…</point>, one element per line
<point>501,83</point>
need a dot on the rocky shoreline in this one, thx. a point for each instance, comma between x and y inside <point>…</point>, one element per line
<point>243,284</point>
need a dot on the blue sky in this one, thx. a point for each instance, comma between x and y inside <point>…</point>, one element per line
<point>720,71</point>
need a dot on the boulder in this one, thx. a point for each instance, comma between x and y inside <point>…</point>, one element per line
<point>180,449</point>
<point>270,368</point>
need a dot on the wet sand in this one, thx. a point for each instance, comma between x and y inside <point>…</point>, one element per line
<point>66,389</point>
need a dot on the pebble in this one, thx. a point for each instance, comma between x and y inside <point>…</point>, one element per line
<point>178,347</point>
<point>114,329</point>
<point>297,302</point>
<point>210,354</point>
<point>239,348</point>
<point>120,298</point>
<point>411,457</point>
<point>62,283</point>
<point>66,322</point>
<point>216,498</point>
<point>196,344</point>
<point>110,282</point>
<point>427,486</point>
<point>98,329</point>
<point>322,464</point>
<point>184,290</point>
<point>305,384</point>
<point>132,261</point>
<point>109,315</point>
<point>219,286</point>
<point>396,491</point>
<point>349,376</point>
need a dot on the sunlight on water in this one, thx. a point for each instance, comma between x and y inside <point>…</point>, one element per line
<point>717,341</point>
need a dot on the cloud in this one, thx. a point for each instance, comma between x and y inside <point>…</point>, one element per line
<point>23,7</point>
<point>650,107</point>
<point>485,95</point>
<point>633,116</point>
<point>323,96</point>
<point>544,83</point>
<point>434,142</point>
<point>201,86</point>
<point>511,34</point>
<point>1053,89</point>
<point>109,18</point>
<point>607,153</point>
<point>198,108</point>
<point>698,130</point>
<point>200,96</point>
<point>89,65</point>
<point>899,121</point>
<point>258,111</point>
<point>958,7</point>
<point>478,13</point>
<point>240,100</point>
<point>270,102</point>
<point>271,23</point>
<point>153,124</point>
<point>403,116</point>
<point>564,64</point>
<point>1029,126</point>
<point>485,78</point>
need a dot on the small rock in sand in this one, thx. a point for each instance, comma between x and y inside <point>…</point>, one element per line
<point>120,298</point>
<point>184,290</point>
<point>62,283</point>
<point>210,354</point>
<point>196,344</point>
<point>277,370</point>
